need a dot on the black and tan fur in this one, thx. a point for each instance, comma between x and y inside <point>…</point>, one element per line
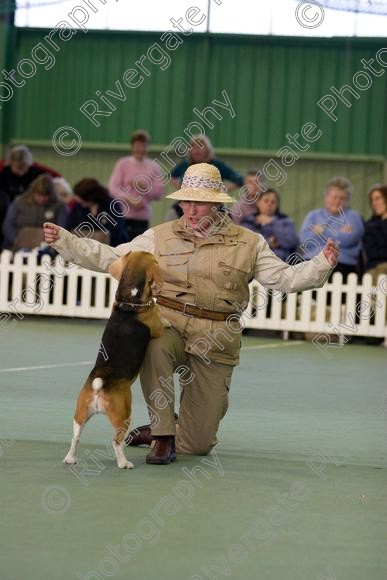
<point>124,342</point>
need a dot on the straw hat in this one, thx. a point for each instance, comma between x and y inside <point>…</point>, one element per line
<point>202,182</point>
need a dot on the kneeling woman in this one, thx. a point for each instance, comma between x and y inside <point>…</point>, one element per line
<point>206,264</point>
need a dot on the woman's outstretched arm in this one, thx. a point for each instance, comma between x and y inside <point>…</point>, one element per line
<point>89,253</point>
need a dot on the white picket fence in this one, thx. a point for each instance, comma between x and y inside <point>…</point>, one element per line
<point>40,286</point>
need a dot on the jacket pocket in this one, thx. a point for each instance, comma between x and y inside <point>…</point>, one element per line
<point>176,261</point>
<point>233,276</point>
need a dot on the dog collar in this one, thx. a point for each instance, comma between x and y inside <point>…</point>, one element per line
<point>133,306</point>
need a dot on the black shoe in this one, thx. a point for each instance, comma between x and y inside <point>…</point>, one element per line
<point>139,436</point>
<point>142,435</point>
<point>163,452</point>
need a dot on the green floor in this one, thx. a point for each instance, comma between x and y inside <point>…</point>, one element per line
<point>301,461</point>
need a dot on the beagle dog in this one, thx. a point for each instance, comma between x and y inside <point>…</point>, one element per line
<point>133,322</point>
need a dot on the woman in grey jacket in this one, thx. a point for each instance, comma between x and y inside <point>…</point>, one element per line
<point>31,209</point>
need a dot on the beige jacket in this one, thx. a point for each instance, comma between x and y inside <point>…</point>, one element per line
<point>213,272</point>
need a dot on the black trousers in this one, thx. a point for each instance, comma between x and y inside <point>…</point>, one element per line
<point>136,228</point>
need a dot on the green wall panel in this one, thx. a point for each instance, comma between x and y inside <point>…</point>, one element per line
<point>274,85</point>
<point>7,50</point>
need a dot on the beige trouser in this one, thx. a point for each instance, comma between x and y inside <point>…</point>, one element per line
<point>203,393</point>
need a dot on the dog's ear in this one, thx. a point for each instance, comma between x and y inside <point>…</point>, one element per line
<point>117,267</point>
<point>154,278</point>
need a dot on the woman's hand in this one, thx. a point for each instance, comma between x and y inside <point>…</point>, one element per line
<point>273,242</point>
<point>331,252</point>
<point>175,182</point>
<point>141,185</point>
<point>51,232</point>
<point>318,229</point>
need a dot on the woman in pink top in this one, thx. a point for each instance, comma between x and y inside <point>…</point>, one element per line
<point>137,180</point>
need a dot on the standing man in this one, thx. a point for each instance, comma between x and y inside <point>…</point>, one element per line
<point>137,180</point>
<point>206,263</point>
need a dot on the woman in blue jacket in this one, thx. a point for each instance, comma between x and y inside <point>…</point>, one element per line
<point>277,228</point>
<point>92,213</point>
<point>337,221</point>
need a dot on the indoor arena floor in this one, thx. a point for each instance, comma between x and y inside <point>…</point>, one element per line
<point>295,491</point>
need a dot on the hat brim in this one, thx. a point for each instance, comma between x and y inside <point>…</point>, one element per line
<point>203,195</point>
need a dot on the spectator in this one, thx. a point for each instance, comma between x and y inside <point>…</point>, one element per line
<point>19,173</point>
<point>375,234</point>
<point>16,174</point>
<point>63,191</point>
<point>41,166</point>
<point>46,169</point>
<point>31,209</point>
<point>277,228</point>
<point>92,213</point>
<point>201,151</point>
<point>254,186</point>
<point>137,180</point>
<point>335,221</point>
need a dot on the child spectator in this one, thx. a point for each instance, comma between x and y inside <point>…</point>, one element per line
<point>137,180</point>
<point>375,234</point>
<point>277,228</point>
<point>28,212</point>
<point>91,213</point>
<point>335,221</point>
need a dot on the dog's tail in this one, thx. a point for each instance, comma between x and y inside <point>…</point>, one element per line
<point>97,384</point>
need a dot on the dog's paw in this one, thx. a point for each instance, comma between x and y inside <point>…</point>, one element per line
<point>70,460</point>
<point>125,465</point>
<point>165,323</point>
